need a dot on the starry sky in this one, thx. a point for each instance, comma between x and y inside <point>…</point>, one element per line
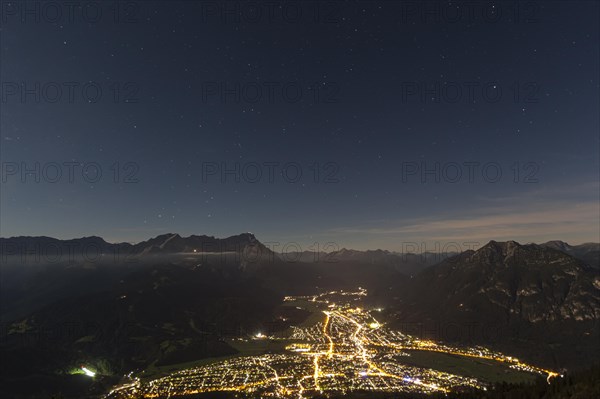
<point>337,124</point>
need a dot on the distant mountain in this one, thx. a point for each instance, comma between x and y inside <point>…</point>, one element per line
<point>48,246</point>
<point>408,263</point>
<point>92,247</point>
<point>394,258</point>
<point>588,252</point>
<point>532,282</point>
<point>303,256</point>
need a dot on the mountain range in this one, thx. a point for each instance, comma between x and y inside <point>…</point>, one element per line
<point>172,243</point>
<point>163,244</point>
<point>173,299</point>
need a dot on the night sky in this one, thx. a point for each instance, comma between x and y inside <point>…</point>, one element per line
<point>163,96</point>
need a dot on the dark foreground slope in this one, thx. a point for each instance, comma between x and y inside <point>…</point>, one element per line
<point>120,307</point>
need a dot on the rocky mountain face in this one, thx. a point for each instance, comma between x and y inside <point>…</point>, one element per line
<point>531,282</point>
<point>588,252</point>
<point>530,300</point>
<point>174,243</point>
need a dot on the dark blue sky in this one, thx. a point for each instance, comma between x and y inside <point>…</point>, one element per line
<point>367,94</point>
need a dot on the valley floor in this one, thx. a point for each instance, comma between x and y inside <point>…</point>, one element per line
<point>341,348</point>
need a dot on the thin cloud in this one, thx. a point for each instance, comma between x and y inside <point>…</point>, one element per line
<point>532,221</point>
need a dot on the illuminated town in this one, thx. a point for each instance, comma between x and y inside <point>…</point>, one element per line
<point>347,350</point>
